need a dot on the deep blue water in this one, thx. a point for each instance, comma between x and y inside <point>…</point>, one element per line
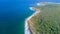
<point>13,13</point>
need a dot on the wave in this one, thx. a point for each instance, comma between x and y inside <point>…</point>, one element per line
<point>27,29</point>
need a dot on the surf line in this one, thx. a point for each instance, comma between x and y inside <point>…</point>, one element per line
<point>27,28</point>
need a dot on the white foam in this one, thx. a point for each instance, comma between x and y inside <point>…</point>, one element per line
<point>38,4</point>
<point>31,8</point>
<point>27,30</point>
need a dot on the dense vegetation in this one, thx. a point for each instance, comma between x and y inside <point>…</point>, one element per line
<point>47,21</point>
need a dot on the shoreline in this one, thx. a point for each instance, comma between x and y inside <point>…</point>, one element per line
<point>27,26</point>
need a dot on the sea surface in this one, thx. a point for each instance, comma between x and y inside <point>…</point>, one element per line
<point>13,14</point>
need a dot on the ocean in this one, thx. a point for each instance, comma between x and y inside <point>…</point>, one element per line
<point>13,14</point>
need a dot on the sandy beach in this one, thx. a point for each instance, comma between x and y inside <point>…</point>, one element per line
<point>27,28</point>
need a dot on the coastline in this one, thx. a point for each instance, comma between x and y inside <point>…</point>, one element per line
<point>27,26</point>
<point>28,29</point>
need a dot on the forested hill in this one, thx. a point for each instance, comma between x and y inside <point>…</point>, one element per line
<point>47,21</point>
